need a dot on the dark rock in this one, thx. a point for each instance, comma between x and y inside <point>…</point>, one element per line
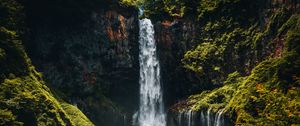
<point>92,63</point>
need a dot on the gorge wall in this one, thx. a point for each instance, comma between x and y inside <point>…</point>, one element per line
<point>179,36</point>
<point>220,51</point>
<point>25,99</point>
<point>89,57</point>
<point>76,62</point>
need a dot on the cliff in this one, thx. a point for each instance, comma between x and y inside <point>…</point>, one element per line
<point>86,54</point>
<point>235,54</point>
<point>24,98</point>
<point>89,55</point>
<point>223,62</point>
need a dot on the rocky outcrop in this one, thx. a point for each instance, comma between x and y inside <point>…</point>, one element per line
<point>173,39</point>
<point>91,63</point>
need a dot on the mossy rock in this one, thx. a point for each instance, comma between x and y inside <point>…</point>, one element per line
<point>270,95</point>
<point>24,97</point>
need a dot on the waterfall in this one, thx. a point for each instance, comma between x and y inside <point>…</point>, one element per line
<point>151,108</point>
<point>218,118</point>
<point>179,118</point>
<point>124,120</point>
<point>189,115</point>
<point>208,116</point>
<point>202,118</point>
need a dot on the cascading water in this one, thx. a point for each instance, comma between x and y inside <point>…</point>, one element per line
<point>190,115</point>
<point>201,118</point>
<point>208,117</point>
<point>179,118</point>
<point>218,118</point>
<point>151,109</point>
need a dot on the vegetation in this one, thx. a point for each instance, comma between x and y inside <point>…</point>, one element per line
<point>249,52</point>
<point>269,95</point>
<point>230,43</point>
<point>254,63</point>
<point>24,97</point>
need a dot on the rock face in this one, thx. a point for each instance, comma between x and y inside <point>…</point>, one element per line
<point>176,36</point>
<point>93,52</point>
<point>246,45</point>
<point>92,63</point>
<point>25,99</point>
<point>173,39</point>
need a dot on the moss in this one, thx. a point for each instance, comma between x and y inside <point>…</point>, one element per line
<point>7,118</point>
<point>24,97</point>
<point>293,35</point>
<point>269,95</point>
<point>277,20</point>
<point>199,59</point>
<point>262,98</point>
<point>134,3</point>
<point>223,52</point>
<point>76,115</point>
<point>2,54</point>
<point>27,96</point>
<point>217,98</point>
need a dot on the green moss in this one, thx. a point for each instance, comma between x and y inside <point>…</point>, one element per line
<point>293,34</point>
<point>76,115</point>
<point>199,59</point>
<point>262,98</point>
<point>134,3</point>
<point>28,96</point>
<point>24,97</point>
<point>7,118</point>
<point>211,59</point>
<point>266,97</point>
<point>2,54</point>
<point>270,94</point>
<point>217,98</point>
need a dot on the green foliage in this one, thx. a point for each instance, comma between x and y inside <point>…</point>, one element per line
<point>2,54</point>
<point>269,95</point>
<point>176,8</point>
<point>159,9</point>
<point>29,99</point>
<point>233,78</point>
<point>201,9</point>
<point>199,60</point>
<point>13,58</point>
<point>225,50</point>
<point>7,118</point>
<point>208,7</point>
<point>135,3</point>
<point>265,97</point>
<point>76,115</point>
<point>24,97</point>
<point>293,34</point>
<point>11,14</point>
<point>262,98</point>
<point>229,42</point>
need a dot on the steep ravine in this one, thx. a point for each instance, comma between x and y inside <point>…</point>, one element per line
<point>222,62</point>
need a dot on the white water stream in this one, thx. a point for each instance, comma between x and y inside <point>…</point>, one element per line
<point>202,118</point>
<point>151,108</point>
